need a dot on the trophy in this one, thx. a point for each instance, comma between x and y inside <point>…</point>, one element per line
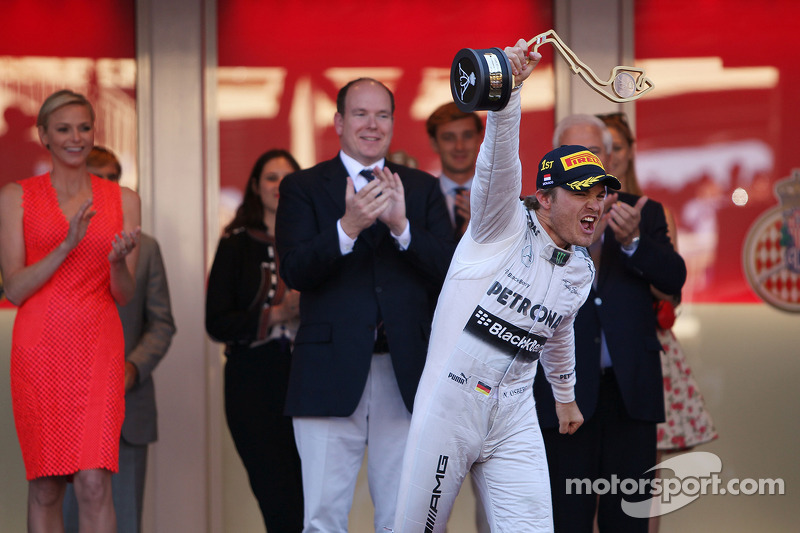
<point>482,80</point>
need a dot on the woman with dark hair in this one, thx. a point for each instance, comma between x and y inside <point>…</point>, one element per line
<point>68,249</point>
<point>250,309</point>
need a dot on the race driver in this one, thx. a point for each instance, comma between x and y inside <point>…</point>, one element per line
<point>516,281</point>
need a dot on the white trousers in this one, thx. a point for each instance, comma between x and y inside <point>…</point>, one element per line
<point>332,449</point>
<point>476,419</point>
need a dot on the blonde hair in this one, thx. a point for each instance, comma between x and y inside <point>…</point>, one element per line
<point>59,99</point>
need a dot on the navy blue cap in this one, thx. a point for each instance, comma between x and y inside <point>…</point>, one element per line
<point>574,168</point>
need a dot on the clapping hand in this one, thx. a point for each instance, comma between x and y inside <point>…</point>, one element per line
<point>123,244</point>
<point>78,224</point>
<point>394,215</point>
<point>362,208</point>
<point>623,218</point>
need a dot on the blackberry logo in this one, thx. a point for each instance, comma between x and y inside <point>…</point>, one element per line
<point>484,318</point>
<point>504,336</point>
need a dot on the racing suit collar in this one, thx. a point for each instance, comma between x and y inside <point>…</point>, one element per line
<point>552,253</point>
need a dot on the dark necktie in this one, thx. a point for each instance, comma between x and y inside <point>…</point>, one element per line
<point>457,218</point>
<point>369,176</point>
<point>381,343</point>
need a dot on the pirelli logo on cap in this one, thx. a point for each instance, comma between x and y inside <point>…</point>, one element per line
<point>584,157</point>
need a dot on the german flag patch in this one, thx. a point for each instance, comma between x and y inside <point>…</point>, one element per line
<point>483,388</point>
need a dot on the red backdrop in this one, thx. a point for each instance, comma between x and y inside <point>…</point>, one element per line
<point>688,129</point>
<point>309,37</point>
<point>742,34</point>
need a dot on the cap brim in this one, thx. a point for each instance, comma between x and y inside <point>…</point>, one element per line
<point>612,182</point>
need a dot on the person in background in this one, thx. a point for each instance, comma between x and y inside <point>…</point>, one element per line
<point>67,352</point>
<point>401,157</point>
<point>456,136</point>
<point>620,390</point>
<point>367,243</point>
<point>148,327</point>
<point>688,422</point>
<point>250,309</point>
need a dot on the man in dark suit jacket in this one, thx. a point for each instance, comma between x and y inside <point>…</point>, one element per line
<point>148,328</point>
<point>368,257</point>
<point>619,386</point>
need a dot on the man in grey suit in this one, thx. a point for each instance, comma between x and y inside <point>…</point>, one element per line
<point>148,327</point>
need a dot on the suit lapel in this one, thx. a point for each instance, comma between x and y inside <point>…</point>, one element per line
<point>334,182</point>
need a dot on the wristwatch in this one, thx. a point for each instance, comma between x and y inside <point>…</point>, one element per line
<point>631,247</point>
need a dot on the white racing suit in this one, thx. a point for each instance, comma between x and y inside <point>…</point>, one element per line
<point>509,298</point>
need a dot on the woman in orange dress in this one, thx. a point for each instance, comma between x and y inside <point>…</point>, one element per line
<point>67,255</point>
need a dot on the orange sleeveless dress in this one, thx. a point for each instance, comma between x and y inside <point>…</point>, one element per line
<point>67,353</point>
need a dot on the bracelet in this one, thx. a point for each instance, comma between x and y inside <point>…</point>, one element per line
<point>517,87</point>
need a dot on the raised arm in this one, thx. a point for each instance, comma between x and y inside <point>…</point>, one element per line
<point>498,172</point>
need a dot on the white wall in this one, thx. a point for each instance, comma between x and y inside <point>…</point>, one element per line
<point>171,41</point>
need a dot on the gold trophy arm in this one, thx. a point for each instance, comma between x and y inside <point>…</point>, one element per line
<point>628,87</point>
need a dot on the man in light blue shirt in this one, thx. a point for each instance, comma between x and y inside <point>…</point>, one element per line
<point>456,136</point>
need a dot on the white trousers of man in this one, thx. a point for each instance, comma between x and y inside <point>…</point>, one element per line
<point>332,449</point>
<point>480,420</point>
